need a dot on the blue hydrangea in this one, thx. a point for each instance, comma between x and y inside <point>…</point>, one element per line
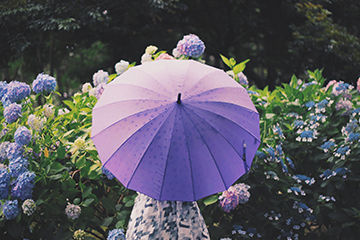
<point>23,186</point>
<point>44,83</point>
<point>12,112</point>
<point>22,135</point>
<point>107,173</point>
<point>191,46</point>
<point>260,154</point>
<point>18,166</point>
<point>283,166</point>
<point>3,88</point>
<point>10,209</point>
<point>4,190</point>
<point>341,171</point>
<point>327,174</point>
<point>353,137</point>
<point>310,104</point>
<point>17,91</point>
<point>327,145</point>
<point>3,151</point>
<point>302,178</point>
<point>4,176</point>
<point>342,152</point>
<point>290,162</point>
<point>116,234</point>
<point>14,151</point>
<point>298,123</point>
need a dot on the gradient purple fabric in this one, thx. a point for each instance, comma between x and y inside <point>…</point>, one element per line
<point>175,129</point>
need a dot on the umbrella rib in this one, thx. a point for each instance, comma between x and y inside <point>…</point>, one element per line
<point>205,121</point>
<point>154,78</point>
<point>166,162</point>
<point>188,150</point>
<point>212,156</point>
<point>228,118</point>
<point>128,140</point>
<point>127,117</point>
<point>147,148</point>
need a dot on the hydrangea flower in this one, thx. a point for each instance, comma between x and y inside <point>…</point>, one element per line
<point>272,216</point>
<point>3,150</point>
<point>342,171</point>
<point>327,174</point>
<point>284,168</point>
<point>79,234</point>
<point>164,56</point>
<point>35,122</point>
<point>326,198</point>
<point>22,135</point>
<point>100,77</point>
<point>290,162</point>
<point>146,58</point>
<point>302,178</point>
<point>342,152</point>
<point>48,110</point>
<point>231,198</point>
<point>191,46</point>
<point>10,209</point>
<point>350,127</point>
<point>3,88</point>
<point>14,151</point>
<point>296,191</point>
<point>29,207</point>
<point>298,124</point>
<point>116,234</point>
<point>271,154</point>
<point>23,186</point>
<point>271,175</point>
<point>4,191</point>
<point>107,173</point>
<point>260,154</point>
<point>302,207</point>
<point>355,112</point>
<point>151,49</point>
<point>17,91</point>
<point>327,145</point>
<point>12,112</point>
<point>277,131</point>
<point>353,137</point>
<point>310,104</point>
<point>121,67</point>
<point>344,104</point>
<point>358,85</point>
<point>72,211</point>
<point>4,175</point>
<point>307,136</point>
<point>86,87</point>
<point>44,83</point>
<point>18,166</point>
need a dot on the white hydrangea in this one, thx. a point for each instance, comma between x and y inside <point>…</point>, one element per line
<point>176,53</point>
<point>100,77</point>
<point>121,66</point>
<point>48,110</point>
<point>146,58</point>
<point>36,123</point>
<point>151,49</point>
<point>86,87</point>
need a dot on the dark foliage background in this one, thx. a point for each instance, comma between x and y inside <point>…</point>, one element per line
<point>73,39</point>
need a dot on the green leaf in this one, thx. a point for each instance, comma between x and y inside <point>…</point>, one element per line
<point>70,104</point>
<point>87,202</point>
<point>120,224</point>
<point>225,60</point>
<point>129,203</point>
<point>61,151</point>
<point>210,200</point>
<point>107,221</point>
<point>77,201</point>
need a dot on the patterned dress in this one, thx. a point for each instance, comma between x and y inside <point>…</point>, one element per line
<point>165,220</point>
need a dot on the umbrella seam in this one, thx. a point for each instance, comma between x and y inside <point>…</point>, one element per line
<point>128,117</point>
<point>217,167</point>
<point>166,163</point>
<point>128,100</point>
<point>128,140</point>
<point>188,150</point>
<point>228,118</point>
<point>212,72</point>
<point>147,148</point>
<point>244,161</point>
<point>154,78</point>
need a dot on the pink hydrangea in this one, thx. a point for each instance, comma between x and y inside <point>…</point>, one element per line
<point>165,56</point>
<point>358,85</point>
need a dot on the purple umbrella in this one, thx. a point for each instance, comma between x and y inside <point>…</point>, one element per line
<point>176,129</point>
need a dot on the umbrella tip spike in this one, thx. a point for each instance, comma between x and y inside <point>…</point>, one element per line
<point>179,98</point>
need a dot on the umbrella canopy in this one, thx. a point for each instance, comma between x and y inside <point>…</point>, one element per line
<point>175,129</point>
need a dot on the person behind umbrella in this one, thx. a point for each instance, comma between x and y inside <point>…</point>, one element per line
<point>163,220</point>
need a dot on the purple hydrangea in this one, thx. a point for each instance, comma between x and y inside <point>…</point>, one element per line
<point>243,79</point>
<point>191,46</point>
<point>3,88</point>
<point>235,195</point>
<point>12,112</point>
<point>72,211</point>
<point>22,135</point>
<point>23,186</point>
<point>10,209</point>
<point>3,150</point>
<point>44,83</point>
<point>107,173</point>
<point>4,183</point>
<point>17,91</point>
<point>14,151</point>
<point>116,234</point>
<point>18,166</point>
<point>4,190</point>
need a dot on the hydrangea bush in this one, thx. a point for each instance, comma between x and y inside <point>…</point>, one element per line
<point>302,184</point>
